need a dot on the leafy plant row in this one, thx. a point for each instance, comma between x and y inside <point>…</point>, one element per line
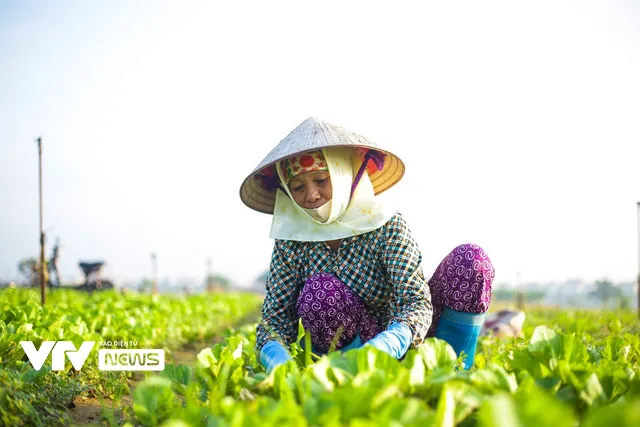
<point>29,397</point>
<point>569,373</point>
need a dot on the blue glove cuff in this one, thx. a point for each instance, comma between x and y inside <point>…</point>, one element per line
<point>403,333</point>
<point>395,341</point>
<point>273,354</point>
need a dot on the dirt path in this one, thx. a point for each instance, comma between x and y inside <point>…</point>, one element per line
<point>87,411</point>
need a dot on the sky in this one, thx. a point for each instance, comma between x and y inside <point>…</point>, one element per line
<point>518,123</point>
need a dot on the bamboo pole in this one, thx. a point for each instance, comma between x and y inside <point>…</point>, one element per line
<point>519,292</point>
<point>208,284</point>
<point>154,266</point>
<point>43,295</point>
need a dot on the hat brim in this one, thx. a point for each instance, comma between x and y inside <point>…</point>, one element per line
<point>314,134</point>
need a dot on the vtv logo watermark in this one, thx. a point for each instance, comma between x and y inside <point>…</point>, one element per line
<point>108,360</point>
<point>131,360</point>
<point>60,350</point>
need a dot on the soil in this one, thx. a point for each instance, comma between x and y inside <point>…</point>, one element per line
<point>87,411</point>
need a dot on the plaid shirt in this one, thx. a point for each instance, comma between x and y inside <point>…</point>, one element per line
<point>382,267</point>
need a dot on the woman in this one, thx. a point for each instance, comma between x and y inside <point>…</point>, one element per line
<point>345,263</point>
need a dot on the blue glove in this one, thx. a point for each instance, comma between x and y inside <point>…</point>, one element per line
<point>395,341</point>
<point>273,354</point>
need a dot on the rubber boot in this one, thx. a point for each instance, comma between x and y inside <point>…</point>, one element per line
<point>461,331</point>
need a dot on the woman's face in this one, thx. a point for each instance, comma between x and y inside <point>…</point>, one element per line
<point>310,190</point>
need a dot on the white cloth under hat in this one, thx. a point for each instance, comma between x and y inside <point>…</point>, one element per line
<point>350,215</point>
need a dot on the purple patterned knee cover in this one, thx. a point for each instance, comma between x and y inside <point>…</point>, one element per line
<point>462,282</point>
<point>325,304</point>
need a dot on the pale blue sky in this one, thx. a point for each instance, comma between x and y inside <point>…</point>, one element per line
<point>518,125</point>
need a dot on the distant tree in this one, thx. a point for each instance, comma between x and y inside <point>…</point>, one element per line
<point>263,277</point>
<point>260,282</point>
<point>217,282</point>
<point>30,269</point>
<point>145,285</point>
<point>624,304</point>
<point>26,267</point>
<point>605,291</point>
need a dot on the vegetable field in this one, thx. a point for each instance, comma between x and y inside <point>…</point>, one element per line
<point>570,368</point>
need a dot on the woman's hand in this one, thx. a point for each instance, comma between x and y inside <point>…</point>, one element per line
<point>395,341</point>
<point>273,354</point>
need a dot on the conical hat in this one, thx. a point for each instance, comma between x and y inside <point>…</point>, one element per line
<point>314,134</point>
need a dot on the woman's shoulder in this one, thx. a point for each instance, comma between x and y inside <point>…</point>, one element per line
<point>287,245</point>
<point>396,224</point>
<point>290,249</point>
